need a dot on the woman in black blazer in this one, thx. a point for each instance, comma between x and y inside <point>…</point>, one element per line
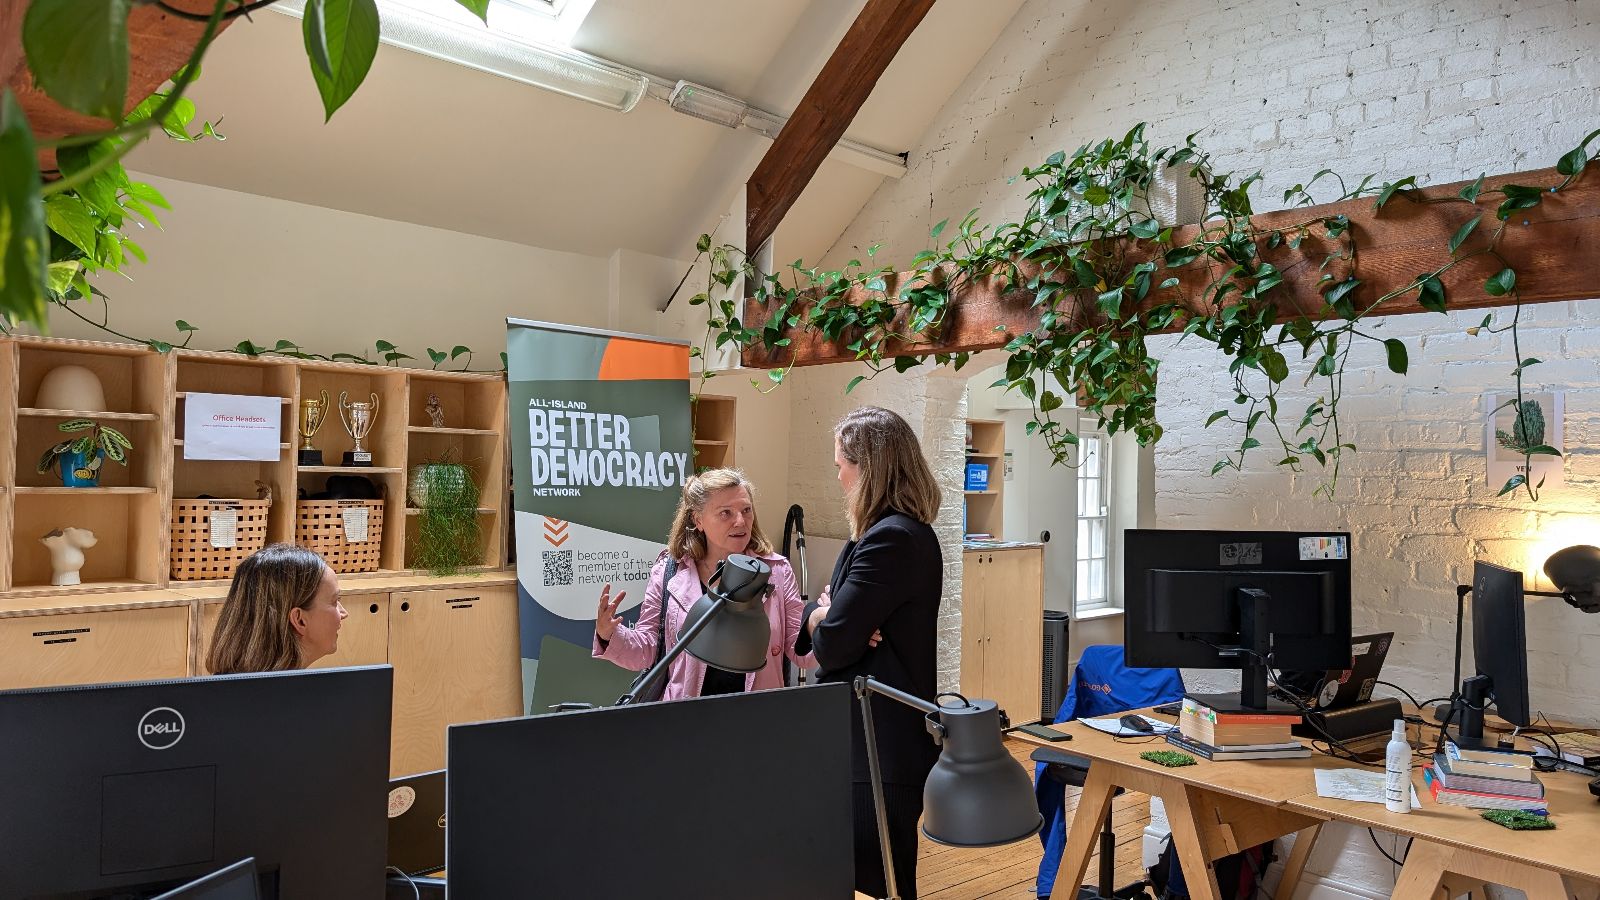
<point>881,620</point>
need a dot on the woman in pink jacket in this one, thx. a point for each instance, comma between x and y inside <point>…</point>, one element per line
<point>716,518</point>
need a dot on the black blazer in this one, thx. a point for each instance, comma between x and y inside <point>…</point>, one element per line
<point>888,581</point>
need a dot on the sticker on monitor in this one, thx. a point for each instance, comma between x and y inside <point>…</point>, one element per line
<point>1241,554</point>
<point>1324,548</point>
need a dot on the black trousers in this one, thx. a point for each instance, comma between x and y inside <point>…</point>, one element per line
<point>903,803</point>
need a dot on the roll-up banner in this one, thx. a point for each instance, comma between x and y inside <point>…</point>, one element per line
<point>600,448</point>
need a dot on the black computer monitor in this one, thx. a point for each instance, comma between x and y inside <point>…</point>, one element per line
<point>235,882</point>
<point>132,789</point>
<point>1499,652</point>
<point>715,798</point>
<point>1237,600</point>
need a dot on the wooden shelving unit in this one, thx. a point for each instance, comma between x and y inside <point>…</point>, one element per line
<point>713,421</point>
<point>130,512</point>
<point>985,508</point>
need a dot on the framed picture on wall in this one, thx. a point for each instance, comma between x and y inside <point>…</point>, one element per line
<point>1510,430</point>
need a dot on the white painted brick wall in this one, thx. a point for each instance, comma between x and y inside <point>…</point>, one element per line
<point>1441,90</point>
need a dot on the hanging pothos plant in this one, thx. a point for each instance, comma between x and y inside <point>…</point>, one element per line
<point>1105,275</point>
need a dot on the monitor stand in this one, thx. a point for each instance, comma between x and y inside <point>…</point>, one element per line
<point>1255,645</point>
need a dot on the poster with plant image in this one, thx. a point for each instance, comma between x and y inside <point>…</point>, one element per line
<point>1513,431</point>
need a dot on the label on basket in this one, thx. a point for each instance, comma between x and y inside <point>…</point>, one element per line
<point>224,527</point>
<point>355,524</point>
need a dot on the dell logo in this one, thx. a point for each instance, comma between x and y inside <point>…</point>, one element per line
<point>161,728</point>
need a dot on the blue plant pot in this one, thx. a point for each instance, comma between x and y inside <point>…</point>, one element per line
<point>71,463</point>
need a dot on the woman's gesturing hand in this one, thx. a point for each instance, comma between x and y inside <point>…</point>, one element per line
<point>606,619</point>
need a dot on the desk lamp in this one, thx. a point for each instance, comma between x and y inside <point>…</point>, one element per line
<point>976,796</point>
<point>1575,571</point>
<point>727,628</point>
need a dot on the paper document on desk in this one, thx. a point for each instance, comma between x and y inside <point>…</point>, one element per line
<point>1360,785</point>
<point>1115,727</point>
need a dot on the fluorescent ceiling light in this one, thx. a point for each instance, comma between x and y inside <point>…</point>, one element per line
<point>509,46</point>
<point>704,103</point>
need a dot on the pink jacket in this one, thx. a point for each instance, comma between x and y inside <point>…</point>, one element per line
<point>635,648</point>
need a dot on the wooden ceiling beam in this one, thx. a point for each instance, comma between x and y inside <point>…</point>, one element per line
<point>827,109</point>
<point>158,43</point>
<point>1549,246</point>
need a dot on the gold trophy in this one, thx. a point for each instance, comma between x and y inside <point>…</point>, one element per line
<point>358,422</point>
<point>313,413</point>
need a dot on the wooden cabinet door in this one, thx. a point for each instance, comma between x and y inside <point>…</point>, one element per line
<point>973,630</point>
<point>456,659</point>
<point>1014,619</point>
<point>363,638</point>
<point>95,647</point>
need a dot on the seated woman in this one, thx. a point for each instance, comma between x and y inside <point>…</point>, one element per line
<point>716,518</point>
<point>282,612</point>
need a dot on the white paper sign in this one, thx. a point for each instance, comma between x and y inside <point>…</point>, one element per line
<point>224,527</point>
<point>1505,438</point>
<point>232,426</point>
<point>355,524</point>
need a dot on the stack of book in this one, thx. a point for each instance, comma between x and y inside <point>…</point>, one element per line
<point>1485,779</point>
<point>1216,736</point>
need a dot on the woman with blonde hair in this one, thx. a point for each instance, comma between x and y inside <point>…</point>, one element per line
<point>283,612</point>
<point>716,518</point>
<point>881,620</point>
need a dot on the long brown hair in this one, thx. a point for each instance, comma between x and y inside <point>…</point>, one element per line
<point>894,474</point>
<point>253,633</point>
<point>687,540</point>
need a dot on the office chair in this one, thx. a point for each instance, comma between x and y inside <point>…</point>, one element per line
<point>1068,770</point>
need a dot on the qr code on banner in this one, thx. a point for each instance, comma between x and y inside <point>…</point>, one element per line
<point>557,568</point>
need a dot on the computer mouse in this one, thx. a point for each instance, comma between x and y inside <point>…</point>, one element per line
<point>1136,723</point>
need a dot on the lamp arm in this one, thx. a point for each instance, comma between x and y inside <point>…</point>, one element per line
<point>659,670</point>
<point>865,684</point>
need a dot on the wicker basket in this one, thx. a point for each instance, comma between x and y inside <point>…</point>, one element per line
<point>193,557</point>
<point>319,526</point>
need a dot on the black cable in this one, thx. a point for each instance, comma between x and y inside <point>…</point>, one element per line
<point>1403,691</point>
<point>244,9</point>
<point>1374,835</point>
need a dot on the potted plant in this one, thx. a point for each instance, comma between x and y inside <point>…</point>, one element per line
<point>449,537</point>
<point>79,459</point>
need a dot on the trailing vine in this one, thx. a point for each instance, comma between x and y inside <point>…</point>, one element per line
<point>1105,275</point>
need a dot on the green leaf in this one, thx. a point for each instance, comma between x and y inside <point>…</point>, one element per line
<point>703,244</point>
<point>1543,450</point>
<point>1470,192</point>
<point>1519,196</point>
<point>383,346</point>
<point>459,351</point>
<point>1501,283</point>
<point>1249,444</point>
<point>70,217</point>
<point>159,346</point>
<point>78,53</point>
<point>135,249</point>
<point>23,235</point>
<point>479,8</point>
<point>100,191</point>
<point>1147,229</point>
<point>62,274</point>
<point>858,379</point>
<point>1341,291</point>
<point>1097,195</point>
<point>1049,401</point>
<point>148,194</point>
<point>313,26</point>
<point>1397,355</point>
<point>1219,414</point>
<point>438,356</point>
<point>1512,484</point>
<point>350,28</point>
<point>1430,293</point>
<point>1461,235</point>
<point>1573,162</point>
<point>938,229</point>
<point>1389,189</point>
<point>185,326</point>
<point>1276,367</point>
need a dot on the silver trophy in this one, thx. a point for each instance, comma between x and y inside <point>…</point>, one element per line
<point>358,417</point>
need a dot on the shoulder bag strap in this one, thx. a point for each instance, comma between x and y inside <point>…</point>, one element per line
<point>666,583</point>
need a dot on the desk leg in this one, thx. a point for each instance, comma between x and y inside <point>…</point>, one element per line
<point>1183,814</point>
<point>1094,804</point>
<point>1304,840</point>
<point>1428,866</point>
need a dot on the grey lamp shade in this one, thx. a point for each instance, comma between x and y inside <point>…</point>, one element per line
<point>977,795</point>
<point>736,637</point>
<point>1575,570</point>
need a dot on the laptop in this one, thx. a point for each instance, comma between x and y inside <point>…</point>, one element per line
<point>416,823</point>
<point>1343,688</point>
<point>236,882</point>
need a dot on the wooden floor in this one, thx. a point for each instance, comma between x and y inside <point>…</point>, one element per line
<point>948,873</point>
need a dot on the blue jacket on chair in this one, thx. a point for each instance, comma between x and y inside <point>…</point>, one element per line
<point>1102,685</point>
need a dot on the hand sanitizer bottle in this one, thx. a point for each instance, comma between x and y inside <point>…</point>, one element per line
<point>1397,771</point>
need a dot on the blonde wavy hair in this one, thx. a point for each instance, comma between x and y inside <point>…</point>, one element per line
<point>894,474</point>
<point>687,540</point>
<point>253,632</point>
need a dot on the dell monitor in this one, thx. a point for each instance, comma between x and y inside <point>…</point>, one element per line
<point>1248,600</point>
<point>714,798</point>
<point>133,789</point>
<point>235,882</point>
<point>1499,652</point>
